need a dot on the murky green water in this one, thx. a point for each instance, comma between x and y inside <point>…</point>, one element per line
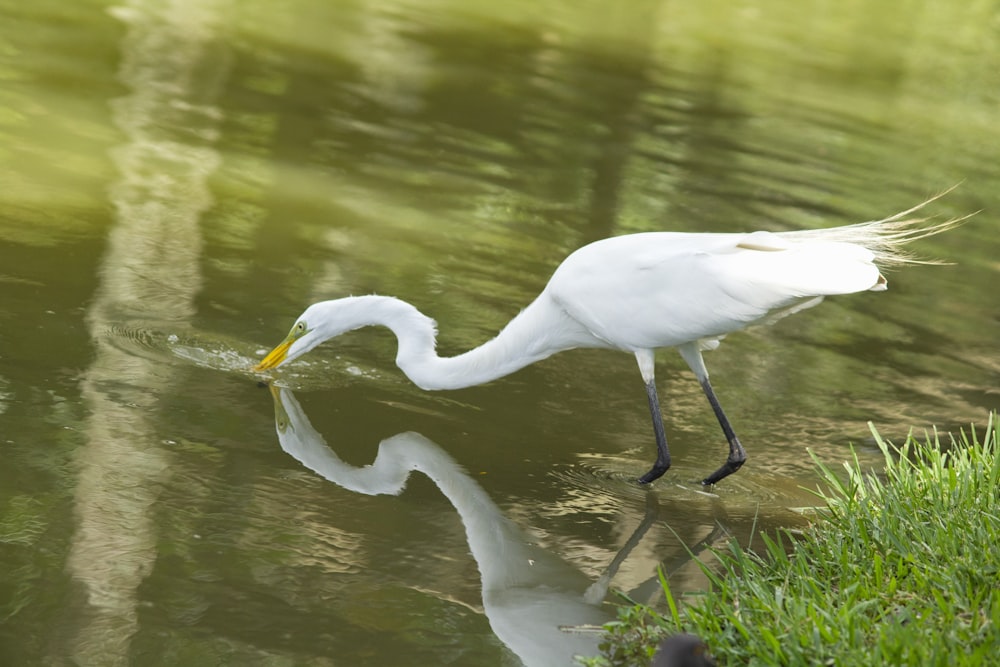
<point>179,179</point>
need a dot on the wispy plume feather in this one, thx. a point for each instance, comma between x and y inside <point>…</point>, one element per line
<point>888,237</point>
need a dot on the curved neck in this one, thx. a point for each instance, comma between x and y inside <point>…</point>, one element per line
<point>540,330</point>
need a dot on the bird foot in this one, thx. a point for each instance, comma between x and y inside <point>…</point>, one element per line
<point>655,473</point>
<point>727,469</point>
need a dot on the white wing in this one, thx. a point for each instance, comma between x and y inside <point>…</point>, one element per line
<point>662,289</point>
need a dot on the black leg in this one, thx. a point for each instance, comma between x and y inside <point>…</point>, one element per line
<point>737,455</point>
<point>662,453</point>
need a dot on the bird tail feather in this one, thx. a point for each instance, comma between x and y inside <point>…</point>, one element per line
<point>887,238</point>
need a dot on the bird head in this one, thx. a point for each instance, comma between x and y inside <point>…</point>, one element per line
<point>312,328</point>
<point>288,349</point>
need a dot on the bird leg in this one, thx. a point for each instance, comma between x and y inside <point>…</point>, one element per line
<point>737,455</point>
<point>662,452</point>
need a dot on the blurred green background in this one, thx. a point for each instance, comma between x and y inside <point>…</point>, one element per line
<point>178,180</point>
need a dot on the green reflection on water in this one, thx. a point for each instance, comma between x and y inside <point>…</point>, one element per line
<point>183,178</point>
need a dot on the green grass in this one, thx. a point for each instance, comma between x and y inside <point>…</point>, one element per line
<point>901,568</point>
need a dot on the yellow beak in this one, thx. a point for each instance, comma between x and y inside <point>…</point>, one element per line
<point>275,357</point>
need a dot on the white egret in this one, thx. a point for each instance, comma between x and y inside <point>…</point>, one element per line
<point>638,293</point>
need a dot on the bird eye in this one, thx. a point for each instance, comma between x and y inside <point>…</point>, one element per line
<point>300,327</point>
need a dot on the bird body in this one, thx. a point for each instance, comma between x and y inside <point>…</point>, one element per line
<point>663,289</point>
<point>638,293</point>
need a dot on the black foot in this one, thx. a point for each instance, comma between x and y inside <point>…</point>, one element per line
<point>655,473</point>
<point>727,469</point>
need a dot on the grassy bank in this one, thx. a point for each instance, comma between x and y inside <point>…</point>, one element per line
<point>901,568</point>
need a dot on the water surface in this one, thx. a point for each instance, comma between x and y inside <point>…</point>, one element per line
<point>178,180</point>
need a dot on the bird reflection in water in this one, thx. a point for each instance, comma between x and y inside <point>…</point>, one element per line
<point>544,609</point>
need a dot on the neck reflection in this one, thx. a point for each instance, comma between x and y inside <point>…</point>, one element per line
<point>540,606</point>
